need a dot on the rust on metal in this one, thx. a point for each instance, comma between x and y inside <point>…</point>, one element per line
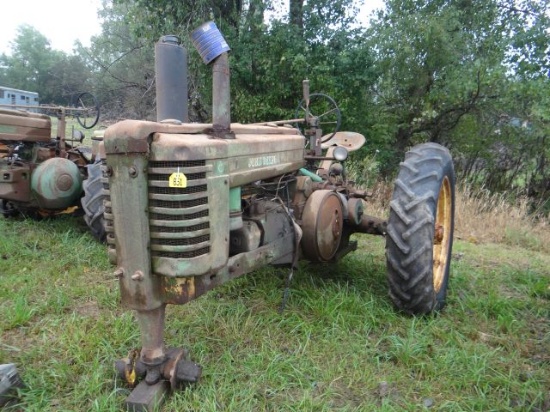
<point>322,222</point>
<point>442,230</point>
<point>352,141</point>
<point>170,367</point>
<point>221,99</point>
<point>178,290</point>
<point>439,233</point>
<point>21,126</point>
<point>129,194</point>
<point>372,225</point>
<point>147,398</point>
<point>40,174</point>
<point>15,183</point>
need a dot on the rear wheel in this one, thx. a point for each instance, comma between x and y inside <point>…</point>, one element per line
<point>420,230</point>
<point>93,201</point>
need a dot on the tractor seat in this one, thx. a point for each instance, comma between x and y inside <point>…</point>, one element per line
<point>350,140</point>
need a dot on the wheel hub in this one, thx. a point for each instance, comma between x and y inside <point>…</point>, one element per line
<point>441,238</point>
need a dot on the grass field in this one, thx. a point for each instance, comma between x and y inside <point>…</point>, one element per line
<point>338,346</point>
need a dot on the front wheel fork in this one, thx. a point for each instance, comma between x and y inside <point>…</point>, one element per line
<point>154,362</point>
<point>175,368</point>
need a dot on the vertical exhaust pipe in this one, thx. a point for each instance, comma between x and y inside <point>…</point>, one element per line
<point>212,47</point>
<point>221,95</point>
<point>171,79</point>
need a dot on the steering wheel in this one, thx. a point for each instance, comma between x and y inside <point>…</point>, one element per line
<point>324,110</point>
<point>87,114</point>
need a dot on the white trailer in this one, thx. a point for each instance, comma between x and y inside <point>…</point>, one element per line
<point>17,98</point>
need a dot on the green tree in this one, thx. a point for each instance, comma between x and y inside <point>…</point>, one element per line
<point>529,53</point>
<point>122,66</point>
<point>439,62</point>
<point>34,65</point>
<point>28,66</point>
<point>269,59</point>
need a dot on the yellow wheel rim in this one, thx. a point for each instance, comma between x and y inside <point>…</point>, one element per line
<point>442,234</point>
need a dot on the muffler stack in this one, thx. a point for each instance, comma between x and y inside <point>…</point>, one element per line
<point>211,45</point>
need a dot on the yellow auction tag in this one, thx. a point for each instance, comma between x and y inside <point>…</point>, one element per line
<point>177,179</point>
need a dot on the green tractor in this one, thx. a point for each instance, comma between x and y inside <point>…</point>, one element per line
<point>43,175</point>
<point>191,206</point>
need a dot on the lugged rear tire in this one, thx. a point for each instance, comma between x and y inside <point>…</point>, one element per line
<point>420,230</point>
<point>93,201</point>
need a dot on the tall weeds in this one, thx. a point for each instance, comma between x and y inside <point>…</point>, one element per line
<point>482,217</point>
<point>486,217</point>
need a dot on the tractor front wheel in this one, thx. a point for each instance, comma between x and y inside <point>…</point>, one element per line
<point>93,201</point>
<point>420,230</point>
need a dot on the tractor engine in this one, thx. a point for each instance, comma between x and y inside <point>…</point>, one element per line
<point>179,193</point>
<point>267,217</point>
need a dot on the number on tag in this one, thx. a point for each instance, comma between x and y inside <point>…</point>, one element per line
<point>177,180</point>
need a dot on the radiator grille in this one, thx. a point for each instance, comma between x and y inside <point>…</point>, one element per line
<point>108,212</point>
<point>163,229</point>
<point>178,204</point>
<point>178,217</point>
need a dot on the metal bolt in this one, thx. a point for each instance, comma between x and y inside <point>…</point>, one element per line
<point>138,275</point>
<point>133,171</point>
<point>118,273</point>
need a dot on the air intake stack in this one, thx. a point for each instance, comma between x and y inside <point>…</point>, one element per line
<point>171,79</point>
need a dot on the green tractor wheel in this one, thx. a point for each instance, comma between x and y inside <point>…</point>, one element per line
<point>420,230</point>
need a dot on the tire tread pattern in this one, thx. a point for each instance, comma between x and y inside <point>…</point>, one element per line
<point>93,201</point>
<point>409,244</point>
